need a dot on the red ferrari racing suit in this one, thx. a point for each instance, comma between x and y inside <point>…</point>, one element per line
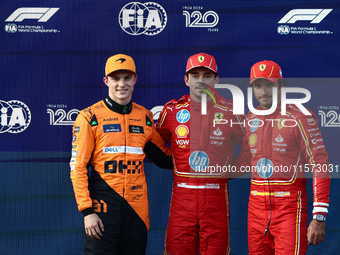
<point>199,213</point>
<point>281,149</point>
<point>114,140</point>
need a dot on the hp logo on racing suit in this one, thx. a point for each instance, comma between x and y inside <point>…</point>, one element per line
<point>264,168</point>
<point>199,160</point>
<point>254,125</point>
<point>183,116</point>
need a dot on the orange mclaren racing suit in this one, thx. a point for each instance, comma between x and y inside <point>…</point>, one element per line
<point>114,141</point>
<point>202,153</point>
<point>281,149</point>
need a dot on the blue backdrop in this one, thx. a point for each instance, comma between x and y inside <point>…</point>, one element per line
<point>53,55</point>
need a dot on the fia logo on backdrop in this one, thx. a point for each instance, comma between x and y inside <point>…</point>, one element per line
<point>15,116</point>
<point>137,18</point>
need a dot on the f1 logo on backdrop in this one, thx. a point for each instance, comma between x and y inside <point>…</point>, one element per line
<point>137,18</point>
<point>315,15</point>
<point>41,14</point>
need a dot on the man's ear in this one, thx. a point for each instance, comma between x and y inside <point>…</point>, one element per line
<point>105,80</point>
<point>217,79</point>
<point>186,80</point>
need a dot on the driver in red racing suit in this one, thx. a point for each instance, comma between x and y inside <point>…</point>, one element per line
<point>199,213</point>
<point>281,148</point>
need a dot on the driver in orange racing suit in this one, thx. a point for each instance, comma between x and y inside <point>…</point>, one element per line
<point>113,136</point>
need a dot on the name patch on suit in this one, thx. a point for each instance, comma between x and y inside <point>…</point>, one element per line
<point>136,129</point>
<point>112,128</point>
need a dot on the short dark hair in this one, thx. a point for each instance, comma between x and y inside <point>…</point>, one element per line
<point>280,81</point>
<point>187,74</point>
<point>111,74</point>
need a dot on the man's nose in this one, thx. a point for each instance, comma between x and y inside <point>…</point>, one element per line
<point>121,83</point>
<point>264,90</point>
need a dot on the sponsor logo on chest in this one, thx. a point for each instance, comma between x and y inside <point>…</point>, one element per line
<point>112,128</point>
<point>136,129</point>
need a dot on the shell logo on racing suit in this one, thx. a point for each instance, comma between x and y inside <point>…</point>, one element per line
<point>182,131</point>
<point>199,160</point>
<point>252,140</point>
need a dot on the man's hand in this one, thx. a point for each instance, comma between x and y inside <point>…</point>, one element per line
<point>93,226</point>
<point>316,232</point>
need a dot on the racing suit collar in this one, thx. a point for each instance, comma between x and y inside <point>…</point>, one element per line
<point>277,110</point>
<point>183,99</point>
<point>122,109</point>
<point>197,106</point>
